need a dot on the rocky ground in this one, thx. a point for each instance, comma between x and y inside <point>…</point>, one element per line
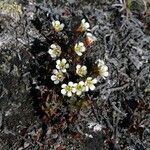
<point>120,105</point>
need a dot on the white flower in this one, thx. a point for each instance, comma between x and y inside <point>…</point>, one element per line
<point>102,69</point>
<point>89,84</point>
<point>90,39</point>
<point>57,25</point>
<point>79,87</point>
<point>81,70</point>
<point>79,48</point>
<point>57,76</point>
<point>84,26</point>
<point>62,65</point>
<point>68,89</point>
<point>55,50</point>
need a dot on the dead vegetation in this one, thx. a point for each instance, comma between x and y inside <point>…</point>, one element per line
<point>119,107</point>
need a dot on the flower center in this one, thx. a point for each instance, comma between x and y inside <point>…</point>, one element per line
<point>56,51</point>
<point>89,82</point>
<point>79,87</point>
<point>59,76</point>
<point>78,48</point>
<point>68,88</point>
<point>81,72</point>
<point>57,27</point>
<point>62,65</point>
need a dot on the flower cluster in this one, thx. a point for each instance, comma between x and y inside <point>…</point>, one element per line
<point>65,74</point>
<point>60,73</point>
<point>78,88</point>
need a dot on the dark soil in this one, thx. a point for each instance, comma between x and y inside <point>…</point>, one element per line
<point>120,104</point>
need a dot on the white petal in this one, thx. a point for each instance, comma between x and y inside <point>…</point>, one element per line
<point>89,78</point>
<point>89,34</point>
<point>70,83</point>
<point>55,71</point>
<point>75,84</point>
<point>87,25</point>
<point>83,21</point>
<point>53,77</point>
<point>58,61</point>
<point>106,74</point>
<point>83,89</point>
<point>62,26</point>
<point>81,44</point>
<point>57,22</point>
<point>63,85</point>
<point>53,55</point>
<point>100,62</point>
<point>78,66</point>
<point>75,46</point>
<point>56,82</point>
<point>69,94</point>
<point>94,38</point>
<point>53,23</point>
<point>79,92</point>
<point>86,88</point>
<point>92,87</point>
<point>84,67</point>
<point>88,29</point>
<point>64,61</point>
<point>81,83</point>
<point>95,81</point>
<point>83,49</point>
<point>57,66</point>
<point>79,53</point>
<point>67,65</point>
<point>50,51</point>
<point>53,46</point>
<point>63,91</point>
<point>74,90</point>
<point>105,68</point>
<point>63,70</point>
